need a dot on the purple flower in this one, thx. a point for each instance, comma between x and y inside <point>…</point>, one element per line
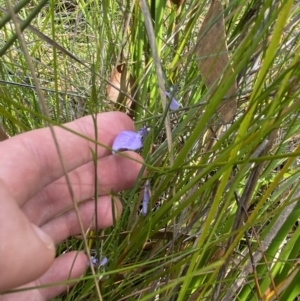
<point>94,261</point>
<point>143,131</point>
<point>103,262</point>
<point>174,105</point>
<point>129,140</point>
<point>146,198</point>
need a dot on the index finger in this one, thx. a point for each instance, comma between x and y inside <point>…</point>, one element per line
<point>30,161</point>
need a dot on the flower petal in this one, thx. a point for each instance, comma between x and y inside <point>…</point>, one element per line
<point>174,105</point>
<point>127,140</point>
<point>143,131</point>
<point>146,198</point>
<point>94,261</point>
<point>104,261</point>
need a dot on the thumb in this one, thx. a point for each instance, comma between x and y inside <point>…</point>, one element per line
<point>26,252</point>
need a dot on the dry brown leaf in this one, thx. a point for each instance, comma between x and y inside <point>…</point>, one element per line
<point>177,2</point>
<point>3,135</point>
<point>213,58</point>
<point>121,82</point>
<point>272,293</point>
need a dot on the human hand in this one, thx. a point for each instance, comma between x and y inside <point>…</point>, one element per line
<point>36,209</point>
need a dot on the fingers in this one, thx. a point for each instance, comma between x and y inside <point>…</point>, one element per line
<point>115,173</point>
<point>67,224</point>
<point>18,262</point>
<point>71,265</point>
<point>66,267</point>
<point>30,161</point>
<point>59,229</point>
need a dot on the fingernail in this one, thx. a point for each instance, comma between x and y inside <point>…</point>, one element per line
<point>44,237</point>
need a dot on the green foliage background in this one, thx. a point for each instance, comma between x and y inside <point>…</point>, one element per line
<point>227,225</point>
